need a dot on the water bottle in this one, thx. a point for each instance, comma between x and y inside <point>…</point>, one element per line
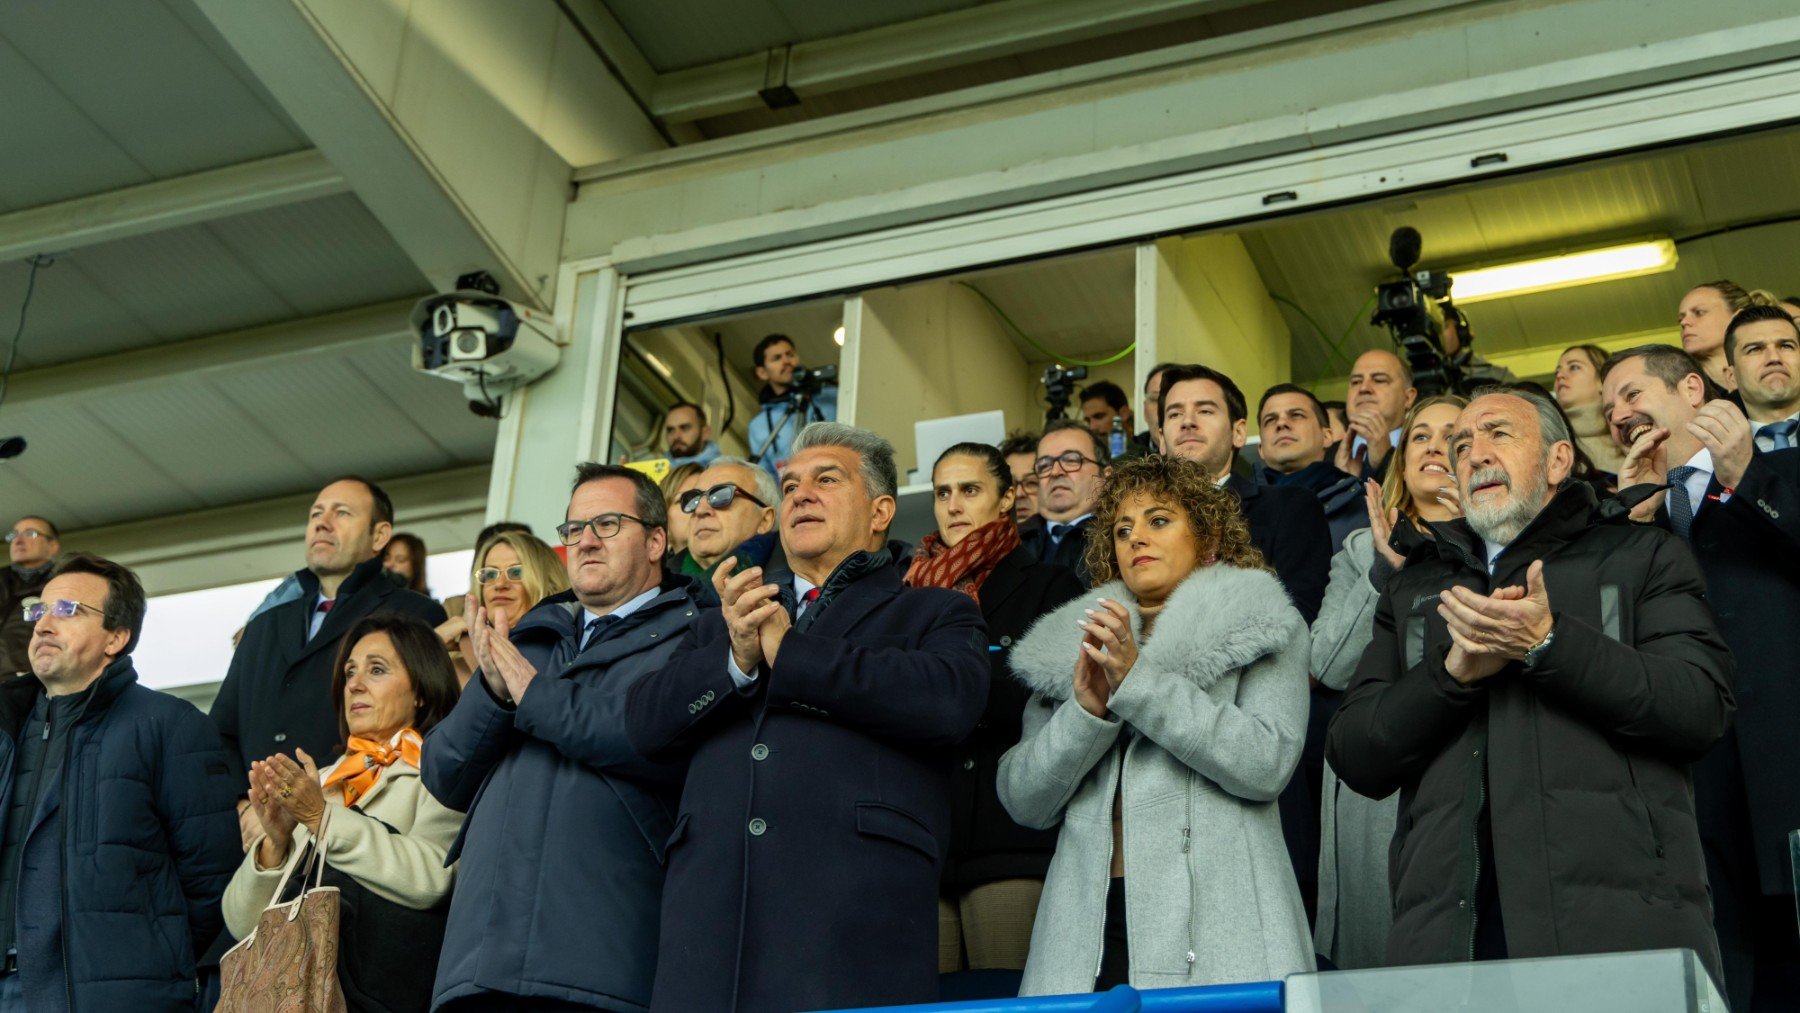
<point>1117,444</point>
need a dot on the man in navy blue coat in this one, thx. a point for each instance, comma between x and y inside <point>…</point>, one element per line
<point>560,880</point>
<point>815,707</point>
<point>1734,494</point>
<point>116,829</point>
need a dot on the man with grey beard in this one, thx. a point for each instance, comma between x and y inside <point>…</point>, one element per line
<point>1539,679</point>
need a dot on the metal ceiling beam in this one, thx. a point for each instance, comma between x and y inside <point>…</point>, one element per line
<point>168,203</point>
<point>258,347</point>
<point>908,49</point>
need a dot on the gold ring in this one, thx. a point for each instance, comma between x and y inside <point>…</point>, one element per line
<point>287,792</point>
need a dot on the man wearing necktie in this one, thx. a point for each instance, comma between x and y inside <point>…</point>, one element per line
<point>559,884</point>
<point>1072,463</point>
<point>814,710</point>
<point>1738,504</point>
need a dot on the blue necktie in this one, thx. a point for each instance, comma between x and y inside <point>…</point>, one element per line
<point>1681,506</point>
<point>1781,434</point>
<point>1057,531</point>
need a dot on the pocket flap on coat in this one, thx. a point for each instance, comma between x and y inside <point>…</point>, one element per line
<point>876,819</point>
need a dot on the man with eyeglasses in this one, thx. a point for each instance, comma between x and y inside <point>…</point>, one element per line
<point>1072,464</point>
<point>117,835</point>
<point>732,506</point>
<point>559,881</point>
<point>814,709</point>
<point>1020,451</point>
<point>32,544</point>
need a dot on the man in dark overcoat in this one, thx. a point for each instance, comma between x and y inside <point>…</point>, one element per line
<point>815,708</point>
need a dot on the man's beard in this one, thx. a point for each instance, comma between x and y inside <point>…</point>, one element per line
<point>1502,522</point>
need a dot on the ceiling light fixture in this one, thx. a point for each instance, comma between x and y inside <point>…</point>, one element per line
<point>1569,269</point>
<point>838,335</point>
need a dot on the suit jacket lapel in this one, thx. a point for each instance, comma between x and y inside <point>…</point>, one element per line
<point>349,608</point>
<point>1006,580</point>
<point>849,606</point>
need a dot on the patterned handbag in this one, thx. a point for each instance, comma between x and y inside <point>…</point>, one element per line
<point>289,962</point>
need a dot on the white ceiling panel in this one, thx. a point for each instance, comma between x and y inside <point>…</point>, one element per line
<point>171,102</point>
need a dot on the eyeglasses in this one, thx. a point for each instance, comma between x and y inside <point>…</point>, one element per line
<point>28,533</point>
<point>605,526</point>
<point>61,609</point>
<point>489,574</point>
<point>1069,462</point>
<point>1027,484</point>
<point>718,497</point>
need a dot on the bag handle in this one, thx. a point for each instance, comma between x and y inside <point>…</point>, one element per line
<point>315,863</point>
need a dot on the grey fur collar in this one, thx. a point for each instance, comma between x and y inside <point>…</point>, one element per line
<point>1220,619</point>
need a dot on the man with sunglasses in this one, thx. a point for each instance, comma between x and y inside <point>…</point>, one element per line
<point>32,545</point>
<point>116,829</point>
<point>1072,465</point>
<point>732,506</point>
<point>559,881</point>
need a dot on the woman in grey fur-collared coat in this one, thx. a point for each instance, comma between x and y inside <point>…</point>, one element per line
<point>1162,762</point>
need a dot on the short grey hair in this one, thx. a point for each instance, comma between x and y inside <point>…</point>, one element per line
<point>876,453</point>
<point>765,483</point>
<point>1553,427</point>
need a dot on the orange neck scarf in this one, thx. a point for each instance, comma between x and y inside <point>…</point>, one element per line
<point>366,759</point>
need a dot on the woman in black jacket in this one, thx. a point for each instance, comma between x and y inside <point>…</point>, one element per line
<point>995,869</point>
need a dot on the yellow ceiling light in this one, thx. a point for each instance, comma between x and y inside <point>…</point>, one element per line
<point>1546,273</point>
<point>838,335</point>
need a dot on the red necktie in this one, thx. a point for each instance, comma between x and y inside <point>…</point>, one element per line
<point>806,601</point>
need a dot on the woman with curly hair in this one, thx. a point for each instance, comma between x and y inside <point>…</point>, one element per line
<point>1167,713</point>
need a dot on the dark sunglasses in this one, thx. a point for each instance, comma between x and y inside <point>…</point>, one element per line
<point>718,497</point>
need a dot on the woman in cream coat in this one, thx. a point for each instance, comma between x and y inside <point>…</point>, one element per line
<point>1166,718</point>
<point>386,838</point>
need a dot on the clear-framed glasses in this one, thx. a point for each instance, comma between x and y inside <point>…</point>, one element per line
<point>29,534</point>
<point>1069,462</point>
<point>719,497</point>
<point>605,526</point>
<point>61,608</point>
<point>489,574</point>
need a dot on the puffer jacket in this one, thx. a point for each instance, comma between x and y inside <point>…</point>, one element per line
<point>559,888</point>
<point>1206,730</point>
<point>1581,759</point>
<point>140,830</point>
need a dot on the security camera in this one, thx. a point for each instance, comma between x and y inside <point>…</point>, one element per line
<point>485,343</point>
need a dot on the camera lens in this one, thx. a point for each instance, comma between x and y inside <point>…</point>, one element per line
<point>469,343</point>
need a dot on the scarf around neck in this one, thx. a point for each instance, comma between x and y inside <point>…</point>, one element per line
<point>365,759</point>
<point>967,565</point>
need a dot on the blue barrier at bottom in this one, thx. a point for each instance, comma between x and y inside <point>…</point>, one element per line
<point>1250,997</point>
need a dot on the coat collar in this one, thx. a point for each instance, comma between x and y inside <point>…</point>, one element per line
<point>860,583</point>
<point>1221,618</point>
<point>18,695</point>
<point>1570,512</point>
<point>368,575</point>
<point>1006,579</point>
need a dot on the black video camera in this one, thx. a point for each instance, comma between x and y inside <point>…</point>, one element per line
<point>808,381</point>
<point>1059,384</point>
<point>1412,311</point>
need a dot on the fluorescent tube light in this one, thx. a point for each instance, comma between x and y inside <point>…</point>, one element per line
<point>1546,273</point>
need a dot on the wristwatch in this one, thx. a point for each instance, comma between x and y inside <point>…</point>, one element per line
<point>1532,654</point>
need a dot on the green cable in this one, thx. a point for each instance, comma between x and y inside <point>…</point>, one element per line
<point>1059,357</point>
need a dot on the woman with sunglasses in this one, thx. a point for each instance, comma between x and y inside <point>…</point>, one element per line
<point>730,510</point>
<point>513,572</point>
<point>994,871</point>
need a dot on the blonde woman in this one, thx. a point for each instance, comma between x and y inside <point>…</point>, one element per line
<point>1354,906</point>
<point>513,572</point>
